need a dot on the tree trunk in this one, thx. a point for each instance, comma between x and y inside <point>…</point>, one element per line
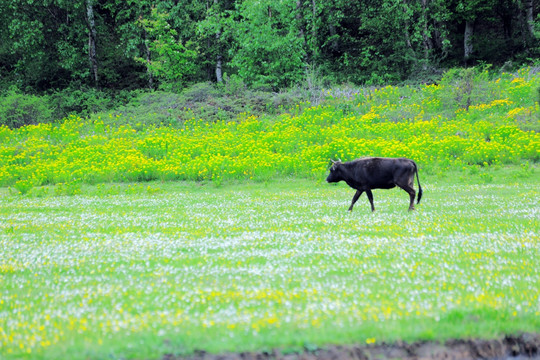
<point>92,35</point>
<point>428,44</point>
<point>299,19</point>
<point>219,57</point>
<point>406,34</point>
<point>334,44</point>
<point>441,41</point>
<point>219,73</point>
<point>467,41</point>
<point>147,51</point>
<point>314,21</point>
<point>301,28</point>
<point>406,30</point>
<point>529,17</point>
<point>526,18</point>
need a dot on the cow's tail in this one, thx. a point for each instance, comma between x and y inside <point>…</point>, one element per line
<point>419,186</point>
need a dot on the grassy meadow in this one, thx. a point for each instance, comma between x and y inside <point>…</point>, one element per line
<point>137,271</point>
<point>120,239</point>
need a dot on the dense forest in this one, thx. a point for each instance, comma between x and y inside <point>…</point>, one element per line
<point>64,46</point>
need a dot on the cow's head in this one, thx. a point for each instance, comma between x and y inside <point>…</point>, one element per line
<point>335,173</point>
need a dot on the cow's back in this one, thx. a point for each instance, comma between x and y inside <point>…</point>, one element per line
<point>382,173</point>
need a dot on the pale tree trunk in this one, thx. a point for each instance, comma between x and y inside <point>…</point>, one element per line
<point>92,35</point>
<point>148,59</point>
<point>527,25</point>
<point>406,32</point>
<point>219,57</point>
<point>467,41</point>
<point>219,73</point>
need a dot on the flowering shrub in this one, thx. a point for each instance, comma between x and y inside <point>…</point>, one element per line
<point>394,122</point>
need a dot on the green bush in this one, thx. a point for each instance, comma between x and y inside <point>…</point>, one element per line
<point>24,186</point>
<point>207,101</point>
<point>200,92</point>
<point>17,109</point>
<point>148,108</point>
<point>85,101</point>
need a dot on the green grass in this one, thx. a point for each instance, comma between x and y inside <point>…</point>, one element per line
<point>137,271</point>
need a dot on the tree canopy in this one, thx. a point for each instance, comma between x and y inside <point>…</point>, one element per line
<point>51,45</point>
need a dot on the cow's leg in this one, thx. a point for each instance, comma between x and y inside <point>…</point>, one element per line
<point>370,197</point>
<point>355,198</point>
<point>412,193</point>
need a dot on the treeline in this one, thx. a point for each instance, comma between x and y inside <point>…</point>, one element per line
<point>52,45</point>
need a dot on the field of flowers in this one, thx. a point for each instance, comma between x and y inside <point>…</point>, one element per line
<point>102,258</point>
<point>135,272</point>
<point>425,123</point>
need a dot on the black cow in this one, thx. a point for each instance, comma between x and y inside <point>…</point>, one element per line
<point>366,174</point>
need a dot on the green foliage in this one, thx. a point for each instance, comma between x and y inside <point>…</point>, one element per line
<point>69,188</point>
<point>85,101</point>
<point>461,82</point>
<point>201,92</point>
<point>18,109</point>
<point>24,186</point>
<point>267,44</point>
<point>170,60</point>
<point>269,51</point>
<point>207,101</point>
<point>527,170</point>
